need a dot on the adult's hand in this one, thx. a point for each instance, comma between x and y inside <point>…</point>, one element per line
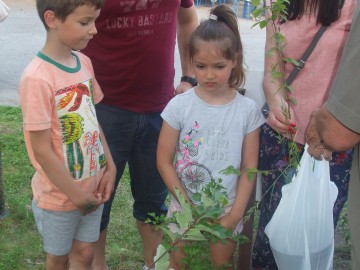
<point>331,134</point>
<point>314,140</point>
<point>182,87</point>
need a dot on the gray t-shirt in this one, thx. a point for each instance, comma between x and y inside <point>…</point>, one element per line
<point>210,138</point>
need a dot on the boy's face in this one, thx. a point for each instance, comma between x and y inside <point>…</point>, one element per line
<point>78,27</point>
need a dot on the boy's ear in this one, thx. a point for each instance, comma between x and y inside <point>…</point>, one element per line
<point>50,19</point>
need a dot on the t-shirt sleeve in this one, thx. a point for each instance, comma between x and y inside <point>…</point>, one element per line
<point>98,94</point>
<point>256,118</point>
<point>37,103</point>
<point>344,97</point>
<point>186,3</point>
<point>171,114</point>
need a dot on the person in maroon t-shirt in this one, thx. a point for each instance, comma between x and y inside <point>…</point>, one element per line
<point>133,59</point>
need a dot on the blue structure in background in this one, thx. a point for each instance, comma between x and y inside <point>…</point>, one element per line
<point>248,7</point>
<point>200,2</point>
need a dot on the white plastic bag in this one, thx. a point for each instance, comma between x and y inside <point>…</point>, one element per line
<point>301,231</point>
<point>4,10</point>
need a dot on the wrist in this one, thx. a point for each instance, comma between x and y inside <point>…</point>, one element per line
<point>189,80</point>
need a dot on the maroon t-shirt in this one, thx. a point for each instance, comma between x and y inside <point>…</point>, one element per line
<point>133,52</point>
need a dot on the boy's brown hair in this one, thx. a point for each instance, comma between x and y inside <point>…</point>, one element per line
<point>62,8</point>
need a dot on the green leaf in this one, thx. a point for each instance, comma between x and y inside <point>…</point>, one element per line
<point>257,12</point>
<point>280,38</point>
<point>194,234</point>
<point>290,88</point>
<point>264,172</point>
<point>181,198</point>
<point>161,258</point>
<point>251,173</point>
<point>216,229</point>
<point>270,52</point>
<point>184,217</point>
<point>169,233</point>
<point>230,170</point>
<point>206,201</point>
<point>293,100</point>
<point>263,24</point>
<point>255,24</point>
<point>255,3</point>
<point>291,61</point>
<point>277,74</point>
<point>210,213</point>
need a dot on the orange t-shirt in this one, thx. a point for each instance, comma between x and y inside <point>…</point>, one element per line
<point>63,100</point>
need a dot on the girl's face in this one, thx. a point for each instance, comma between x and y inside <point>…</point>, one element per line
<point>78,27</point>
<point>211,69</point>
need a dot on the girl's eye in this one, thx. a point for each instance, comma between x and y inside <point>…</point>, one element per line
<point>200,66</point>
<point>84,23</point>
<point>220,66</point>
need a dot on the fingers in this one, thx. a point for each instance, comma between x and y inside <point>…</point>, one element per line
<point>107,195</point>
<point>327,154</point>
<point>182,87</point>
<point>319,152</point>
<point>106,191</point>
<point>276,124</point>
<point>287,127</point>
<point>89,207</point>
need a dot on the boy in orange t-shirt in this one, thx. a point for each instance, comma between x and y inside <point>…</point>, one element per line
<point>75,172</point>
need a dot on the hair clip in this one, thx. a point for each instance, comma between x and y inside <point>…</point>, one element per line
<point>213,17</point>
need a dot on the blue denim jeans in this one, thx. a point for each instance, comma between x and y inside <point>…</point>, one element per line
<point>132,138</point>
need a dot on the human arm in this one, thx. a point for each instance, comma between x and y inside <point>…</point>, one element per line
<point>167,142</point>
<point>325,134</point>
<point>187,22</point>
<point>336,124</point>
<point>280,113</point>
<point>57,173</point>
<point>249,160</point>
<point>106,186</point>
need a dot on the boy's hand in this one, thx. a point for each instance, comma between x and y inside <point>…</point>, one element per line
<point>87,203</point>
<point>106,186</point>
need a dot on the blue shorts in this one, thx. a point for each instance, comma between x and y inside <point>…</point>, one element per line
<point>59,229</point>
<point>132,138</point>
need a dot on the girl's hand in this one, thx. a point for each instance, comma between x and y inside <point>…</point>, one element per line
<point>228,222</point>
<point>106,186</point>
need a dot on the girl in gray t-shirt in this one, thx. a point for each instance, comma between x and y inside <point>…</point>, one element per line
<point>211,127</point>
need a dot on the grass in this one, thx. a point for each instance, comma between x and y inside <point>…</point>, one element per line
<point>20,244</point>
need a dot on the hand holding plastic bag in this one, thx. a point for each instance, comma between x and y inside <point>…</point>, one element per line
<point>301,231</point>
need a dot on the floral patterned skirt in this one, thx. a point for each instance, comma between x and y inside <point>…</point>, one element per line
<point>274,157</point>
